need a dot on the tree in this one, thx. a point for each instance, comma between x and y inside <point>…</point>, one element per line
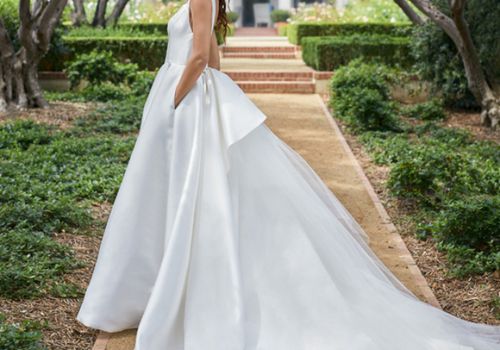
<point>457,28</point>
<point>79,16</point>
<point>99,19</point>
<point>19,64</point>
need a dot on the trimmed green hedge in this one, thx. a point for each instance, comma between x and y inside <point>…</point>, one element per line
<point>151,28</point>
<point>147,52</point>
<point>297,31</point>
<point>328,53</point>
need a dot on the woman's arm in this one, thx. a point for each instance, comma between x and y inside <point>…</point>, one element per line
<point>201,14</point>
<point>214,60</point>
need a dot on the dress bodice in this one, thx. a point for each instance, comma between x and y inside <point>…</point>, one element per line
<point>180,34</point>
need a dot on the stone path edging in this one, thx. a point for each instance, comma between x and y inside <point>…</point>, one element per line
<point>101,341</point>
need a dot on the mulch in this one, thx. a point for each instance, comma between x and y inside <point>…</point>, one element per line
<point>63,331</point>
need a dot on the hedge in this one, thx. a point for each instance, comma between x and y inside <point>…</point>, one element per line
<point>147,52</point>
<point>151,28</point>
<point>328,53</point>
<point>297,31</point>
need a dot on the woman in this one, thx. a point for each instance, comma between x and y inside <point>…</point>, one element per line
<point>221,237</point>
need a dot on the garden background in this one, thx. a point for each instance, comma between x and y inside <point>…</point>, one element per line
<point>398,89</point>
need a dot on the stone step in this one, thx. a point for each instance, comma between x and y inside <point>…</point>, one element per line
<point>260,55</point>
<point>270,76</point>
<point>291,87</point>
<point>289,49</point>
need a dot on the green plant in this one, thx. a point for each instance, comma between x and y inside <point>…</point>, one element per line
<point>232,16</point>
<point>437,58</point>
<point>298,30</point>
<point>360,96</point>
<point>24,133</point>
<point>495,302</point>
<point>453,182</point>
<point>31,264</point>
<point>472,222</point>
<point>433,171</point>
<point>48,180</point>
<point>329,53</point>
<point>120,118</point>
<point>25,335</point>
<point>124,49</point>
<point>465,261</point>
<point>122,31</point>
<point>105,92</point>
<point>10,16</point>
<point>385,147</point>
<point>280,15</point>
<point>430,110</point>
<point>283,29</point>
<point>98,67</point>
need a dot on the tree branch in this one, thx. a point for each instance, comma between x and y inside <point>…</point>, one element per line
<point>117,11</point>
<point>47,22</point>
<point>409,12</point>
<point>445,22</point>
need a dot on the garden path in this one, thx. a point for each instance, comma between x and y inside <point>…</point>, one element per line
<point>303,121</point>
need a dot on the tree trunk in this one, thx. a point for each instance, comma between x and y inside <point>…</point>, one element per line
<point>409,12</point>
<point>117,12</point>
<point>457,29</point>
<point>79,16</point>
<point>100,14</point>
<point>19,83</point>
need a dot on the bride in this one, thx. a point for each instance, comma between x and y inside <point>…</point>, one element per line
<point>222,237</point>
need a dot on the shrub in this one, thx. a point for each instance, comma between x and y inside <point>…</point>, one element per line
<point>105,92</point>
<point>98,67</point>
<point>329,53</point>
<point>360,96</point>
<point>385,147</point>
<point>25,335</point>
<point>120,31</point>
<point>432,172</point>
<point>437,57</point>
<point>232,16</point>
<point>430,110</point>
<point>472,222</point>
<point>10,16</point>
<point>280,15</point>
<point>282,29</point>
<point>297,31</point>
<point>453,182</point>
<point>465,261</point>
<point>125,50</point>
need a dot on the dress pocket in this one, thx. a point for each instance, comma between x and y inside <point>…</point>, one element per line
<point>172,101</point>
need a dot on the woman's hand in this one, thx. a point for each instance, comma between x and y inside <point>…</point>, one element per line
<point>201,15</point>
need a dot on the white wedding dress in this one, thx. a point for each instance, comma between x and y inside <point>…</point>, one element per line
<point>222,237</point>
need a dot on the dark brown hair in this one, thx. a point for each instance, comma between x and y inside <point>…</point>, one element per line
<point>222,23</point>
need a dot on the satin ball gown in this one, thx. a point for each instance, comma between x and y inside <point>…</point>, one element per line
<point>222,237</point>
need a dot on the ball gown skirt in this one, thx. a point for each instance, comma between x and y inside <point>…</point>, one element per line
<point>222,237</point>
